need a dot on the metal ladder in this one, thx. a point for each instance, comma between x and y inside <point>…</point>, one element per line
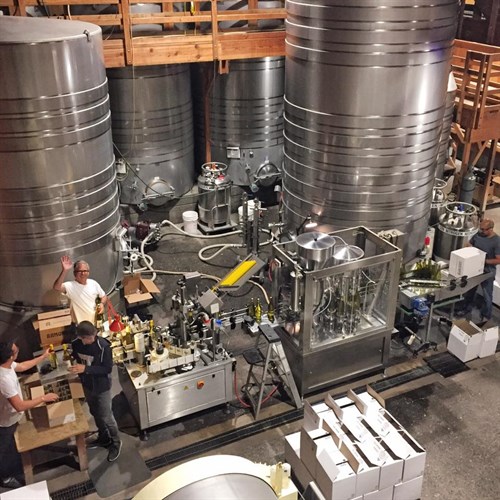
<point>268,355</point>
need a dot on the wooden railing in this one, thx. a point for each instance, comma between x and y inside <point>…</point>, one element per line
<point>476,68</point>
<point>199,32</point>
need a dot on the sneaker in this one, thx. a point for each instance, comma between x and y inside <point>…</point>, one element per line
<point>99,443</point>
<point>11,482</point>
<point>114,451</point>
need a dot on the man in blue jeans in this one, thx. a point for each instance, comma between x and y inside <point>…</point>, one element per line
<point>489,242</point>
<point>95,363</point>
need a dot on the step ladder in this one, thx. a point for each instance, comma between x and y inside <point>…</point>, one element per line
<point>268,361</point>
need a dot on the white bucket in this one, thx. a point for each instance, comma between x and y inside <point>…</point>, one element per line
<point>250,205</point>
<point>190,220</point>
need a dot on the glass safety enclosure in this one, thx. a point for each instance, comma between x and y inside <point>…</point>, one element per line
<point>335,296</point>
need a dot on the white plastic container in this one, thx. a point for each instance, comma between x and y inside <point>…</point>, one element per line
<point>251,205</point>
<point>190,220</point>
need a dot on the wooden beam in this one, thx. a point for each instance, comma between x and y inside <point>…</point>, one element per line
<point>247,45</point>
<point>172,49</point>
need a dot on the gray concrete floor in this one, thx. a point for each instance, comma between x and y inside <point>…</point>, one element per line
<point>454,419</point>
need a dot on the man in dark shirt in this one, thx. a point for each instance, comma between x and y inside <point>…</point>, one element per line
<point>95,363</point>
<point>489,242</point>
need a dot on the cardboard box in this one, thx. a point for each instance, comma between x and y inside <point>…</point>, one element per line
<point>137,290</point>
<point>489,340</point>
<point>292,456</point>
<point>403,446</point>
<point>465,340</point>
<point>52,326</point>
<point>313,415</point>
<point>310,443</point>
<point>335,477</point>
<point>385,494</point>
<point>58,413</point>
<point>468,261</point>
<point>409,490</point>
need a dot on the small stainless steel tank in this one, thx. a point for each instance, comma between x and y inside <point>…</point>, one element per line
<point>457,224</point>
<point>214,205</point>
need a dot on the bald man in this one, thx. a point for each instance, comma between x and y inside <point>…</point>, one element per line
<point>489,242</point>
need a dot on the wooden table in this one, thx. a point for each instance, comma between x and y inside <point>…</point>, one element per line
<point>29,438</point>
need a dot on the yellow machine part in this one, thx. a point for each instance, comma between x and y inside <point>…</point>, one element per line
<point>237,273</point>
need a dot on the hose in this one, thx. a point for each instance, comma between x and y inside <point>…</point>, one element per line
<point>222,246</point>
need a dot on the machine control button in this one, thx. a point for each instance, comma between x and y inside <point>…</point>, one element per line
<point>200,384</point>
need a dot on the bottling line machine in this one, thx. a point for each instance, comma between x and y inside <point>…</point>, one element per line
<point>174,370</point>
<point>336,296</point>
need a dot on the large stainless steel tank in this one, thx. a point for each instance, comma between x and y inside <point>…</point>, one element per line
<point>153,130</point>
<point>245,121</point>
<point>364,101</point>
<point>58,191</point>
<point>444,140</point>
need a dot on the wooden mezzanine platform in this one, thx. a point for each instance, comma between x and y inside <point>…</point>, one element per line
<point>199,33</point>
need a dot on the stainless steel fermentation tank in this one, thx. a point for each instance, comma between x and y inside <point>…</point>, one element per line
<point>444,141</point>
<point>364,103</point>
<point>58,191</point>
<point>153,131</point>
<point>245,119</point>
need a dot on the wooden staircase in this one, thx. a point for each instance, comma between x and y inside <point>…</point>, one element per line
<point>476,127</point>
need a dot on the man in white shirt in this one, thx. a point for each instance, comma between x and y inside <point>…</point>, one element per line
<point>82,292</point>
<point>12,407</point>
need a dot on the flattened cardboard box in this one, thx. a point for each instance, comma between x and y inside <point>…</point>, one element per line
<point>138,290</point>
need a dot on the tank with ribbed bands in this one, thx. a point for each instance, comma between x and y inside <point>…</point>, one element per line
<point>58,190</point>
<point>365,94</point>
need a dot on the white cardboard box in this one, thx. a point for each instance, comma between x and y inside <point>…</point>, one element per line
<point>335,477</point>
<point>385,494</point>
<point>409,490</point>
<point>489,340</point>
<point>309,443</point>
<point>465,340</point>
<point>496,291</point>
<point>292,456</point>
<point>468,261</point>
<point>313,415</point>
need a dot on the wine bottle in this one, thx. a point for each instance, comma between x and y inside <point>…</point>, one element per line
<point>98,316</point>
<point>66,356</point>
<point>258,311</point>
<point>270,311</point>
<point>52,357</point>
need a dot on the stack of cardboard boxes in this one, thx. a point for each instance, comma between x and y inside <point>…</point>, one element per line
<point>468,341</point>
<point>352,448</point>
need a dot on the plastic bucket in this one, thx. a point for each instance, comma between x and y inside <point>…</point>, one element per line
<point>251,205</point>
<point>190,220</point>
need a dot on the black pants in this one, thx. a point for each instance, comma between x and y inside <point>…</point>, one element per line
<point>10,459</point>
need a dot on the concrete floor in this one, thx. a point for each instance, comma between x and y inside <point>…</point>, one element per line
<point>455,419</point>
